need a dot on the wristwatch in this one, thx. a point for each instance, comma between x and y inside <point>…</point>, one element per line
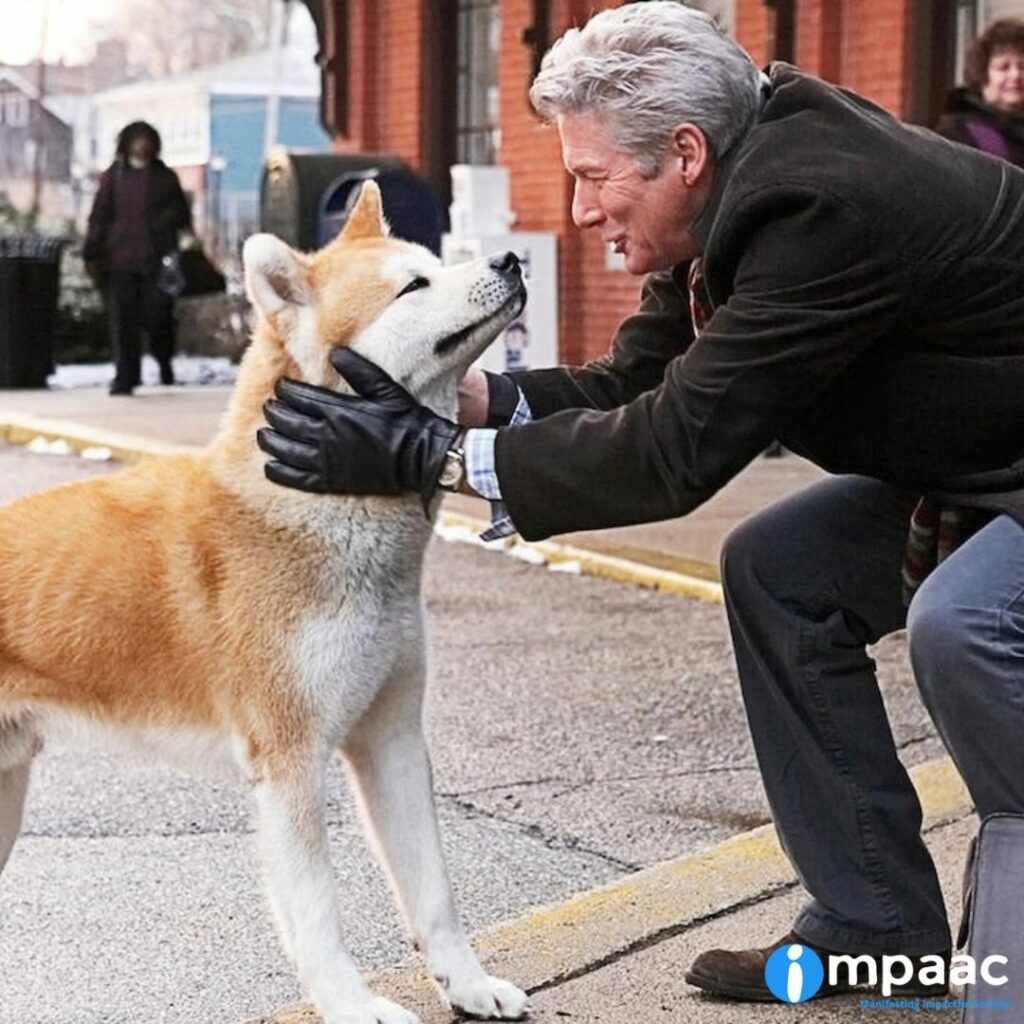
<point>453,472</point>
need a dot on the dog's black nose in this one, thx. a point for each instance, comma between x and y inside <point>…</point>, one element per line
<point>505,263</point>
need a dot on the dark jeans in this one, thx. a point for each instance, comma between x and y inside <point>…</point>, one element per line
<point>809,583</point>
<point>136,304</point>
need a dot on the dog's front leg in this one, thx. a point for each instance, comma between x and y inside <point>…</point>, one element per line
<point>18,746</point>
<point>391,768</point>
<point>13,787</point>
<point>293,844</point>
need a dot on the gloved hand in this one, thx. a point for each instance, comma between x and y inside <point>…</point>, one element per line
<point>377,441</point>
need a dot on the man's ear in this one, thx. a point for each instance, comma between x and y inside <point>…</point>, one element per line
<point>367,217</point>
<point>692,153</point>
<point>275,275</point>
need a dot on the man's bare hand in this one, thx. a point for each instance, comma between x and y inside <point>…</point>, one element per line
<point>473,399</point>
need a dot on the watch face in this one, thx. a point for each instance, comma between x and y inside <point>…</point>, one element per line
<point>451,474</point>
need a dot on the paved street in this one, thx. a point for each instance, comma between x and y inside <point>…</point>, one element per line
<point>580,728</point>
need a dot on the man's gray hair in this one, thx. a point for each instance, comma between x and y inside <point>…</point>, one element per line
<point>646,68</point>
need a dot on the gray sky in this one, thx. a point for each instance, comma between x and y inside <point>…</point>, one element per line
<point>71,28</point>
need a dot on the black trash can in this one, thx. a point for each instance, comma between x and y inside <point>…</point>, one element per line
<point>410,206</point>
<point>293,186</point>
<point>29,290</point>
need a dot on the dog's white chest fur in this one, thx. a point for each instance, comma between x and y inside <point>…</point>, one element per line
<point>367,620</point>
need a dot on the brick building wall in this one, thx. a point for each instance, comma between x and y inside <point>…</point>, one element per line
<point>861,44</point>
<point>391,54</point>
<point>383,80</point>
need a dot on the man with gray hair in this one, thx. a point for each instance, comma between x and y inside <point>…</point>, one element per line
<point>824,275</point>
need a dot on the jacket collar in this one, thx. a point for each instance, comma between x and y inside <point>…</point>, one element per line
<point>702,224</point>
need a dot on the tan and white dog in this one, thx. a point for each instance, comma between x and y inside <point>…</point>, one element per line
<point>191,607</point>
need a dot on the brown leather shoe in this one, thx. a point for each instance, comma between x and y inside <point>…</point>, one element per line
<point>739,974</point>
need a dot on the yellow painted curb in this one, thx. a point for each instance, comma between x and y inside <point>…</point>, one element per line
<point>596,563</point>
<point>551,944</point>
<point>23,428</point>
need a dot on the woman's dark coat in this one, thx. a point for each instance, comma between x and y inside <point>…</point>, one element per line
<point>966,112</point>
<point>112,235</point>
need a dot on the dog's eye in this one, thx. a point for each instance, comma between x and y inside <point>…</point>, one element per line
<point>414,285</point>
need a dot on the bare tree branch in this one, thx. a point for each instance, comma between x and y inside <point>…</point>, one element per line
<point>171,36</point>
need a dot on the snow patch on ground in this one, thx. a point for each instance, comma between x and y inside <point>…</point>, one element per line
<point>44,446</point>
<point>571,565</point>
<point>192,370</point>
<point>99,454</point>
<point>513,547</point>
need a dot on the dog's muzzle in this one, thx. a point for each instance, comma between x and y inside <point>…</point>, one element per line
<point>509,279</point>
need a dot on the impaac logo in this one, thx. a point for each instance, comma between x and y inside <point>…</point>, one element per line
<point>795,973</point>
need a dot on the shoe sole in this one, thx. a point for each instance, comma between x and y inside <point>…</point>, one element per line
<point>714,986</point>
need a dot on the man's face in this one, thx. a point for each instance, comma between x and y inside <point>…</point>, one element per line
<point>646,219</point>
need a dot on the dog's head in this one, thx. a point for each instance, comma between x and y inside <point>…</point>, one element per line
<point>392,301</point>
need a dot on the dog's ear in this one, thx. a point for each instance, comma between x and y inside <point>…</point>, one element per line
<point>275,277</point>
<point>367,217</point>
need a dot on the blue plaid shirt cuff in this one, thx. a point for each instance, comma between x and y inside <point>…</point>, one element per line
<point>482,476</point>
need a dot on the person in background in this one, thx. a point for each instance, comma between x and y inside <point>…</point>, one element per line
<point>136,218</point>
<point>988,111</point>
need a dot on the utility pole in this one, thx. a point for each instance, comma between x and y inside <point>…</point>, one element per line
<point>39,119</point>
<point>279,16</point>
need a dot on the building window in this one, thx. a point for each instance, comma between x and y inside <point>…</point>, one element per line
<point>477,132</point>
<point>15,110</point>
<point>781,29</point>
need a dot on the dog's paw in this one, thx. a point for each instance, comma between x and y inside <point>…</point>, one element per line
<point>378,1011</point>
<point>488,998</point>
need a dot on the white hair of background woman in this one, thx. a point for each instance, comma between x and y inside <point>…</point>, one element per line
<point>646,68</point>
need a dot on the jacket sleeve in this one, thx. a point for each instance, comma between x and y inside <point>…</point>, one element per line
<point>643,346</point>
<point>811,291</point>
<point>100,218</point>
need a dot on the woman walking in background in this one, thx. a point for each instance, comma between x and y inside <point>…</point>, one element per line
<point>988,112</point>
<point>137,215</point>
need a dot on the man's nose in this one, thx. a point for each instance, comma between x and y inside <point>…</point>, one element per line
<point>586,213</point>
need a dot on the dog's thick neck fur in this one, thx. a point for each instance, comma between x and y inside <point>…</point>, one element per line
<point>265,362</point>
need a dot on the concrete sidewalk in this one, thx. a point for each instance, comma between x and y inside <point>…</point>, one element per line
<point>616,954</point>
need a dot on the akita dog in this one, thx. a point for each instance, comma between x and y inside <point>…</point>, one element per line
<point>193,607</point>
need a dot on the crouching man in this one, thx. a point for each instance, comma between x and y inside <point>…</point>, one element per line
<point>820,274</point>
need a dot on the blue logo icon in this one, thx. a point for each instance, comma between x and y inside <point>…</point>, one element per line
<point>794,973</point>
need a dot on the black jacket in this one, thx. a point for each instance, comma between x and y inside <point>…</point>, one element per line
<point>868,285</point>
<point>166,214</point>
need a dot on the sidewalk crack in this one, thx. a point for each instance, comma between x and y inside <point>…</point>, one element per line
<point>572,785</point>
<point>534,831</point>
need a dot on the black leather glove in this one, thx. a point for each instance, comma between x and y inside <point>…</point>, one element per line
<point>377,441</point>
